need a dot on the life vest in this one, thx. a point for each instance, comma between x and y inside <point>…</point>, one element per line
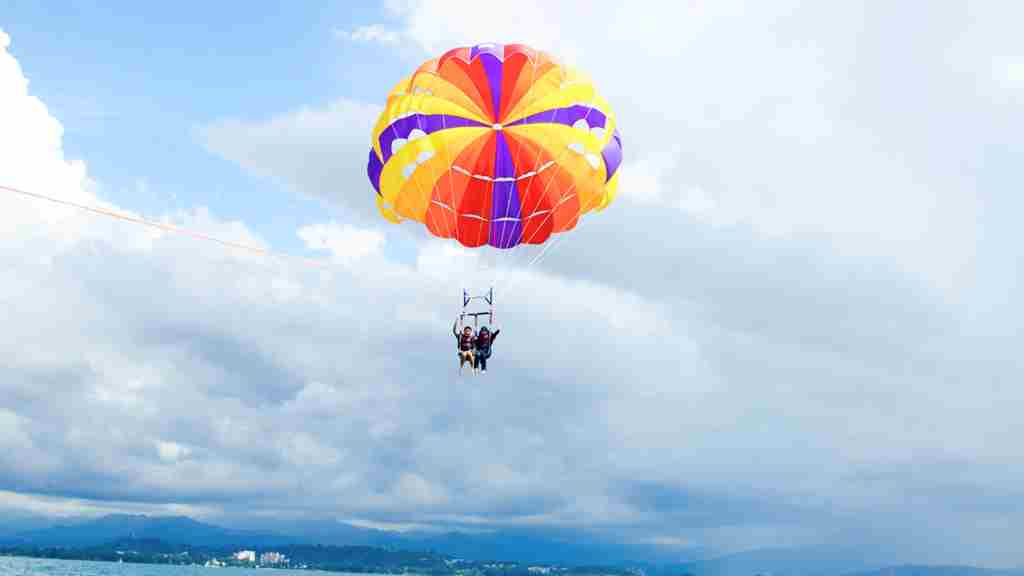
<point>466,342</point>
<point>483,342</point>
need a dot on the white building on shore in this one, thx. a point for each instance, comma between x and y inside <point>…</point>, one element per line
<point>245,556</point>
<point>270,558</point>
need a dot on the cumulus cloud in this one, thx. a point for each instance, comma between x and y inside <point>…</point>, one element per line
<point>783,112</point>
<point>145,368</point>
<point>346,243</point>
<point>752,348</point>
<point>313,151</point>
<point>371,34</point>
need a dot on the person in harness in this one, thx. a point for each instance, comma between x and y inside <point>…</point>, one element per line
<point>466,343</point>
<point>482,348</point>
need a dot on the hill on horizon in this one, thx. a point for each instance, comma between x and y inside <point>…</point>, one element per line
<point>521,547</point>
<point>171,529</point>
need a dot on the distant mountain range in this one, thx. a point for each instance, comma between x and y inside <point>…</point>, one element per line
<point>513,546</point>
<point>508,546</point>
<point>504,545</point>
<point>911,570</point>
<point>823,562</point>
<point>175,529</point>
<point>519,545</point>
<point>783,562</point>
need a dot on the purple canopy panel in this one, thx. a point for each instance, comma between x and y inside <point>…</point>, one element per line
<point>506,216</point>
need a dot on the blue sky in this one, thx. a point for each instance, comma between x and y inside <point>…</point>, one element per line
<point>130,82</point>
<point>796,326</point>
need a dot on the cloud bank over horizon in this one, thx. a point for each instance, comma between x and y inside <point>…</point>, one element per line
<point>796,326</point>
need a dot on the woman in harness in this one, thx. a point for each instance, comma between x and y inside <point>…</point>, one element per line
<point>482,348</point>
<point>466,342</point>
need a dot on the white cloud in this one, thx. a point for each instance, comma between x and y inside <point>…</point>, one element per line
<point>390,526</point>
<point>176,360</point>
<point>652,350</point>
<point>779,110</point>
<point>12,430</point>
<point>417,491</point>
<point>1013,72</point>
<point>172,452</point>
<point>60,507</point>
<point>32,153</point>
<point>641,181</point>
<point>372,34</point>
<point>346,243</point>
<point>651,181</point>
<point>309,151</point>
<point>672,542</point>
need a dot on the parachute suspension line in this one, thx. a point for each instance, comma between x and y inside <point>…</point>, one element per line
<point>549,247</point>
<point>565,87</point>
<point>429,196</point>
<point>519,150</point>
<point>561,156</point>
<point>449,162</point>
<point>412,175</point>
<point>537,164</point>
<point>425,194</point>
<point>451,183</point>
<point>429,193</point>
<point>499,274</point>
<point>167,227</point>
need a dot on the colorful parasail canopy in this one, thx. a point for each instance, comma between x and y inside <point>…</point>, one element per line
<point>494,145</point>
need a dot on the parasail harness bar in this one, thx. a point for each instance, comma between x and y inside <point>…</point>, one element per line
<point>488,297</point>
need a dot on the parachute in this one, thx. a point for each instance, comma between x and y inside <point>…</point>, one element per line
<point>494,145</point>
